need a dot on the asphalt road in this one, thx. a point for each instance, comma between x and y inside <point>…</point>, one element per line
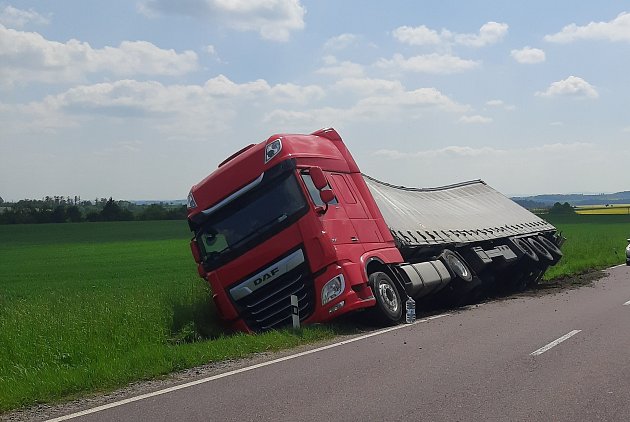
<point>471,365</point>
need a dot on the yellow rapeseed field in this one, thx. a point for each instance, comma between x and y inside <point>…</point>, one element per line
<point>616,209</point>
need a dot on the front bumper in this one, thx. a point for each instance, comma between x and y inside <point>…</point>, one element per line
<point>356,295</point>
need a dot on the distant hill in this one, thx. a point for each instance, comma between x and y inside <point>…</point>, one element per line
<point>547,200</point>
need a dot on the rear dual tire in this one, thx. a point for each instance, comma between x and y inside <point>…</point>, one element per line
<point>553,249</point>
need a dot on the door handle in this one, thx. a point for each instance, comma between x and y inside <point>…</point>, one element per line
<point>354,239</point>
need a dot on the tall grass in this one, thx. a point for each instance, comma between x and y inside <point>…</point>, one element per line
<point>93,306</point>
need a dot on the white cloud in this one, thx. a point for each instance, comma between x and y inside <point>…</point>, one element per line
<point>419,35</point>
<point>210,50</point>
<point>177,110</point>
<point>386,101</point>
<point>572,86</point>
<point>501,104</point>
<point>273,19</point>
<point>418,98</point>
<point>296,94</point>
<point>345,69</point>
<point>18,18</point>
<point>366,87</point>
<point>617,29</point>
<point>528,55</point>
<point>476,119</point>
<point>340,42</point>
<point>27,56</point>
<point>429,63</point>
<point>489,33</point>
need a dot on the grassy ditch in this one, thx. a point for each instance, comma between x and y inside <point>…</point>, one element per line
<point>87,307</point>
<point>94,306</point>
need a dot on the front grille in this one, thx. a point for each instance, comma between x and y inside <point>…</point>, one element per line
<point>270,306</point>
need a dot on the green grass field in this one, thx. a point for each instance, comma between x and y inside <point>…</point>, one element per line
<point>593,242</point>
<point>93,306</point>
<point>90,307</point>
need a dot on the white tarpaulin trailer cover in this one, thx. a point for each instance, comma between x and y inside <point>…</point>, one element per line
<point>461,213</point>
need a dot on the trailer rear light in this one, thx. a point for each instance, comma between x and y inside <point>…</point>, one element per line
<point>333,289</point>
<point>272,149</point>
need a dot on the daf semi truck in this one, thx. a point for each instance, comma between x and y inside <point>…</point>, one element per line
<point>294,216</point>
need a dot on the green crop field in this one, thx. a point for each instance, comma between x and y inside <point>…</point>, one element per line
<point>93,306</point>
<point>593,242</point>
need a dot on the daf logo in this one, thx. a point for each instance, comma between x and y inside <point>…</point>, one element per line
<point>266,276</point>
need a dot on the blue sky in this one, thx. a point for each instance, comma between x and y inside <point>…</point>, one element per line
<point>140,100</point>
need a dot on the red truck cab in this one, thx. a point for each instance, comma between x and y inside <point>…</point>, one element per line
<point>289,216</point>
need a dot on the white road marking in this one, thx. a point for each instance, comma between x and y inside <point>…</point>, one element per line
<point>237,371</point>
<point>617,266</point>
<point>554,343</point>
<point>627,303</point>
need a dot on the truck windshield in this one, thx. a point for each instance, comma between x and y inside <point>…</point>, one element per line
<point>247,221</point>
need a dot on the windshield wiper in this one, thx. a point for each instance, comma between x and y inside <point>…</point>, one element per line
<point>256,231</point>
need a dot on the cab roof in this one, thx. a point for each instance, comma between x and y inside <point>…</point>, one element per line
<point>323,148</point>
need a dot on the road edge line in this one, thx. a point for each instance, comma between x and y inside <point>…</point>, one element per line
<point>237,371</point>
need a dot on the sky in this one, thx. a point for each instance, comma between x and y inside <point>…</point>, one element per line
<point>141,100</point>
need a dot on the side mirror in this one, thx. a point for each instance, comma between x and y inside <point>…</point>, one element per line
<point>319,180</point>
<point>327,196</point>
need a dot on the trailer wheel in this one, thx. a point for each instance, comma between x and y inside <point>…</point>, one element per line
<point>456,265</point>
<point>388,302</point>
<point>525,248</point>
<point>540,250</point>
<point>551,247</point>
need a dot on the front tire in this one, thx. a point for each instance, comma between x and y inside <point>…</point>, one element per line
<point>389,306</point>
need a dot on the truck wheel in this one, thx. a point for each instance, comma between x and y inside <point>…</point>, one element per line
<point>456,265</point>
<point>388,302</point>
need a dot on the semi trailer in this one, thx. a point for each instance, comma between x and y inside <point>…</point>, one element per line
<point>294,216</point>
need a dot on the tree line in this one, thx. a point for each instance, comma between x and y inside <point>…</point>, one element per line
<point>74,210</point>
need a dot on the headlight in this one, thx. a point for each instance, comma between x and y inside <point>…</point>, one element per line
<point>272,149</point>
<point>333,288</point>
